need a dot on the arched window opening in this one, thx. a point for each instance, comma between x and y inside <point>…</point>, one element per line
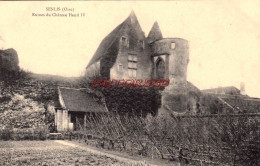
<point>160,69</point>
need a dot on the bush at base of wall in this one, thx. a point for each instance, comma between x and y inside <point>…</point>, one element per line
<point>139,101</point>
<point>37,133</point>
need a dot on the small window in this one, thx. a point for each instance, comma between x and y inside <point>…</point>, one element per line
<point>141,44</point>
<point>172,45</point>
<point>130,57</point>
<point>120,67</point>
<point>134,73</point>
<point>125,41</point>
<point>123,38</point>
<point>132,65</point>
<point>130,73</point>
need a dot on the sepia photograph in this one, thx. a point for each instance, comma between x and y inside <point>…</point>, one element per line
<point>130,83</point>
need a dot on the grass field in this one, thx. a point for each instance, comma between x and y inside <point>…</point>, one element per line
<point>50,153</point>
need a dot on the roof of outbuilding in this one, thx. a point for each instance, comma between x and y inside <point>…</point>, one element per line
<point>226,90</point>
<point>81,100</point>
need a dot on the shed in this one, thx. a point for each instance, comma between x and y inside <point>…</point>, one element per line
<point>74,107</point>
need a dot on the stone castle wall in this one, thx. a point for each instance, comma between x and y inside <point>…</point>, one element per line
<point>133,47</point>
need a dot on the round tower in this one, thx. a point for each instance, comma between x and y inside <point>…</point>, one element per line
<point>175,54</point>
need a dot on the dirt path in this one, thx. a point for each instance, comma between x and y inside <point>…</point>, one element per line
<point>97,152</point>
<point>120,157</point>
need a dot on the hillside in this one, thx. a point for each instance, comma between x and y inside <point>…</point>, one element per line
<point>28,100</point>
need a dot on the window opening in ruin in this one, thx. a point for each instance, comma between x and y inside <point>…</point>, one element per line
<point>120,67</point>
<point>141,44</point>
<point>172,45</point>
<point>132,65</point>
<point>123,38</point>
<point>160,69</point>
<point>125,41</point>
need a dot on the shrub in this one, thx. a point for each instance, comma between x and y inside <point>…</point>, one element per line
<point>6,133</point>
<point>43,132</point>
<point>127,100</point>
<point>5,99</point>
<point>137,101</point>
<point>38,133</point>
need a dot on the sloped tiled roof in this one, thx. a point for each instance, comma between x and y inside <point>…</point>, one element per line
<point>243,104</point>
<point>108,42</point>
<point>231,90</point>
<point>105,44</point>
<point>155,33</point>
<point>80,100</point>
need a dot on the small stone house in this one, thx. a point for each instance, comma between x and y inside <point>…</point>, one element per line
<point>74,106</point>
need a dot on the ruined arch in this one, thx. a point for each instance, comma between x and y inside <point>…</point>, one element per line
<point>159,68</point>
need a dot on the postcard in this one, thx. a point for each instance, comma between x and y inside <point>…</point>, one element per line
<point>129,82</point>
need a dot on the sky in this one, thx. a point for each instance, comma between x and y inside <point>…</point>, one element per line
<point>224,36</point>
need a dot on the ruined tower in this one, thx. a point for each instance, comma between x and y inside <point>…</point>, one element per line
<point>170,58</point>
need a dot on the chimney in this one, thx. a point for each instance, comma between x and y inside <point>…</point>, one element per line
<point>242,88</point>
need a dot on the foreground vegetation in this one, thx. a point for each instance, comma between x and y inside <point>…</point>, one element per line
<point>51,153</point>
<point>208,140</point>
<point>27,100</point>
